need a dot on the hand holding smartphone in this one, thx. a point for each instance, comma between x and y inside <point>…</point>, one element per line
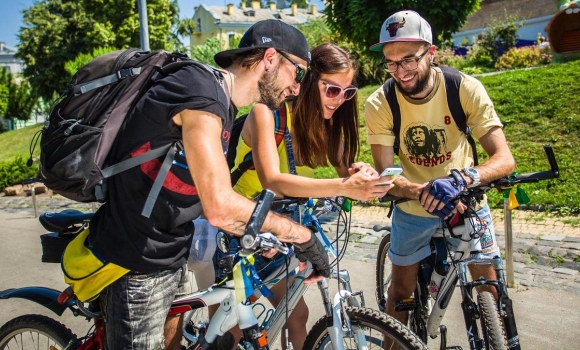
<point>388,172</point>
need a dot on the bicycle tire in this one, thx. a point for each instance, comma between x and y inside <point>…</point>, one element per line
<point>377,325</point>
<point>383,278</point>
<point>491,326</point>
<point>35,332</point>
<point>383,271</point>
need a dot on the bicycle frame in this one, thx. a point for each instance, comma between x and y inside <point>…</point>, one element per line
<point>459,262</point>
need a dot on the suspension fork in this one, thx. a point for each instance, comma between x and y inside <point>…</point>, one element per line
<point>470,313</point>
<point>505,307</point>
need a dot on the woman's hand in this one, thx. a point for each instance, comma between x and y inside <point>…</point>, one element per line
<point>364,167</point>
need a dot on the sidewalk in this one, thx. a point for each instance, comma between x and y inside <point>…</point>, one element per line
<point>546,249</point>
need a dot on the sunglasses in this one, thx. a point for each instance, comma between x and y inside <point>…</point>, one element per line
<point>300,72</point>
<point>333,91</point>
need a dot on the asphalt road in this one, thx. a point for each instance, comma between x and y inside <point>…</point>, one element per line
<point>546,319</point>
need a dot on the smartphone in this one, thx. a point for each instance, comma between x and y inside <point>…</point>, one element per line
<point>388,172</point>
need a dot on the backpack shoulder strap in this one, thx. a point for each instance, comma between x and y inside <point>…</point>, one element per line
<point>452,83</point>
<point>391,96</point>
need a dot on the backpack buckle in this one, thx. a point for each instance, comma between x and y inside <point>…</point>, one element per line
<point>128,72</point>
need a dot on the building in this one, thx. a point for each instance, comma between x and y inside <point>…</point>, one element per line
<point>8,61</point>
<point>533,14</point>
<point>225,22</point>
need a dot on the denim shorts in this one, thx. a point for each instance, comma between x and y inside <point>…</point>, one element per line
<point>411,234</point>
<point>135,307</point>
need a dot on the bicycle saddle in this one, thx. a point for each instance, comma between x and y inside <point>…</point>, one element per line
<point>63,220</point>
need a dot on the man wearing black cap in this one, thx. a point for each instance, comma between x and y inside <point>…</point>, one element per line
<point>435,155</point>
<point>189,106</point>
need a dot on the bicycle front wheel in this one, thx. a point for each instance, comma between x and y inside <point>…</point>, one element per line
<point>35,332</point>
<point>493,334</point>
<point>378,328</point>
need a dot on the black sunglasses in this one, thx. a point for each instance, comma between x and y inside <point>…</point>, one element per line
<point>333,91</point>
<point>300,72</point>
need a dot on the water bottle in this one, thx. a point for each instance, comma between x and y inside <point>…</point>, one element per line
<point>439,273</point>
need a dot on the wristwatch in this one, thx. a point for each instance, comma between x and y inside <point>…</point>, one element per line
<point>474,175</point>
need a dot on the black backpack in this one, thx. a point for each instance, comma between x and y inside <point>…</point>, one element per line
<point>84,123</point>
<point>452,82</point>
<point>248,162</point>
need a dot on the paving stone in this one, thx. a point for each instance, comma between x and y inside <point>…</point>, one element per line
<point>572,239</point>
<point>540,267</point>
<point>368,239</point>
<point>573,265</point>
<point>552,238</point>
<point>573,246</point>
<point>549,243</point>
<point>565,271</point>
<point>526,236</point>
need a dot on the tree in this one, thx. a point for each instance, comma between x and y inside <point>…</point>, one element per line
<point>57,31</point>
<point>360,21</point>
<point>16,100</point>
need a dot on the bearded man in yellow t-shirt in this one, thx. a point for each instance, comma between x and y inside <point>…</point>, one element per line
<point>431,147</point>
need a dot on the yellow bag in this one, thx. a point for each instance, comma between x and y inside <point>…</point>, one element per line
<point>87,273</point>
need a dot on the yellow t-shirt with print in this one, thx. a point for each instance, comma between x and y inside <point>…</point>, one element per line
<point>249,183</point>
<point>431,144</point>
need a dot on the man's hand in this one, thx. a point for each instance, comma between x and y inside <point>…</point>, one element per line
<point>313,251</point>
<point>438,194</point>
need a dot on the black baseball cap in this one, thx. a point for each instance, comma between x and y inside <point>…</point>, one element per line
<point>268,33</point>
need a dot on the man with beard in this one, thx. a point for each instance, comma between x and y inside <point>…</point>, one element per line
<point>191,109</point>
<point>406,43</point>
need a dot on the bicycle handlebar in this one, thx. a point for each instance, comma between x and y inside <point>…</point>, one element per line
<point>505,182</point>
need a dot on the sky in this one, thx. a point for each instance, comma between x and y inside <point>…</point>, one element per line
<point>11,14</point>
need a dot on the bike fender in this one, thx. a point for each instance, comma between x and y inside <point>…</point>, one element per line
<point>44,296</point>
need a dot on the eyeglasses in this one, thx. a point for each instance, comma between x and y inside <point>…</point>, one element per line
<point>333,91</point>
<point>300,72</point>
<point>407,64</point>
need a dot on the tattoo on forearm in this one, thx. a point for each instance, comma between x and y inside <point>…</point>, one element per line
<point>236,227</point>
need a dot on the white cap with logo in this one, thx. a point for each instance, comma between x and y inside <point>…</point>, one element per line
<point>404,26</point>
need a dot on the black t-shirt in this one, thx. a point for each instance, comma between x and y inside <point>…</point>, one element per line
<point>119,233</point>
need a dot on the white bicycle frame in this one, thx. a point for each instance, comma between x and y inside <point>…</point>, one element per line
<point>229,313</point>
<point>463,254</point>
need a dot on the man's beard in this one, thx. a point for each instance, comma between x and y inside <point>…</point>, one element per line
<point>422,83</point>
<point>269,90</point>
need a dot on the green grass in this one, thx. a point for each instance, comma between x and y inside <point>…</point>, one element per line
<point>537,106</point>
<point>17,143</point>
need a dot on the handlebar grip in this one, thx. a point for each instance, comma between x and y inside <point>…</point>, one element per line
<point>552,160</point>
<point>260,212</point>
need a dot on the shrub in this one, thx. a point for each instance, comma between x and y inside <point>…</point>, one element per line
<point>529,56</point>
<point>447,57</point>
<point>13,172</point>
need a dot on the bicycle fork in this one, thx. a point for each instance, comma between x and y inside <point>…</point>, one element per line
<point>471,312</point>
<point>336,323</point>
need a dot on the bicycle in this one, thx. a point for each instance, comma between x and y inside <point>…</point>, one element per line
<point>450,264</point>
<point>346,325</point>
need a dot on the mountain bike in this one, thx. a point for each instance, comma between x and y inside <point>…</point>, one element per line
<point>447,266</point>
<point>346,325</point>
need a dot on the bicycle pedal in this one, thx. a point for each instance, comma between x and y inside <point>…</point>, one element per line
<point>405,304</point>
<point>456,347</point>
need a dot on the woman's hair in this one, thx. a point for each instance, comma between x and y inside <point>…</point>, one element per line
<point>319,140</point>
